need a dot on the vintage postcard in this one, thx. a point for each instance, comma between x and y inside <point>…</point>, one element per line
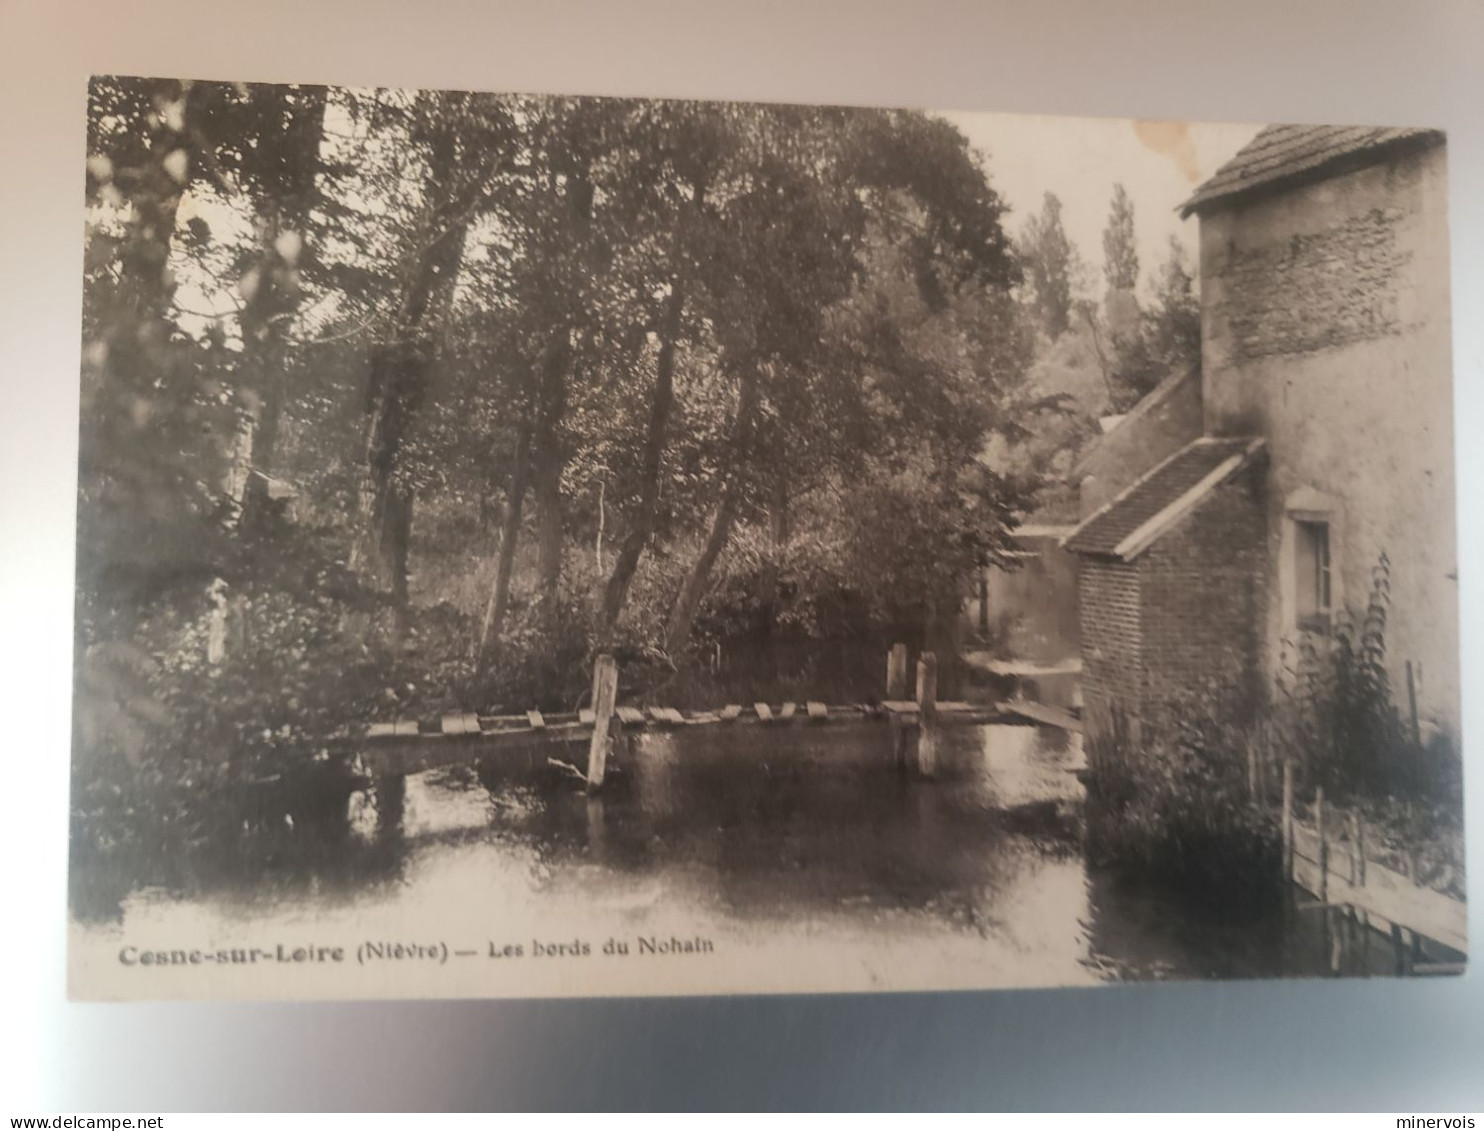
<point>563,546</point>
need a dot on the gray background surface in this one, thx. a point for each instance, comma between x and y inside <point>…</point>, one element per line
<point>1415,1046</point>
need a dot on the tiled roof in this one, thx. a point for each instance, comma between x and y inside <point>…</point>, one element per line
<point>1129,524</point>
<point>1281,152</point>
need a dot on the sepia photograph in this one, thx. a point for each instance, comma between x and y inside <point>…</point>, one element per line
<point>567,546</point>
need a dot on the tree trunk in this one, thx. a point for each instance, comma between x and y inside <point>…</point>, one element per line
<point>556,371</point>
<point>683,615</point>
<point>778,536</point>
<point>549,461</point>
<point>660,404</point>
<point>290,125</point>
<point>688,600</point>
<point>400,373</point>
<point>499,602</point>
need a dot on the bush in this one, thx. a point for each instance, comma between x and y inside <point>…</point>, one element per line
<point>1339,720</point>
<point>1170,801</point>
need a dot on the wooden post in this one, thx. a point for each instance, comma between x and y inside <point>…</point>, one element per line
<point>896,688</point>
<point>605,695</point>
<point>1287,820</point>
<point>1323,846</point>
<point>984,601</point>
<point>1412,706</point>
<point>1357,845</point>
<point>896,672</point>
<point>391,800</point>
<point>927,714</point>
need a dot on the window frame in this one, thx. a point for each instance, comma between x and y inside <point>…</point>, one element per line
<point>1307,504</point>
<point>1313,570</point>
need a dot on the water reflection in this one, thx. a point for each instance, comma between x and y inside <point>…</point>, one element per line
<point>792,835</point>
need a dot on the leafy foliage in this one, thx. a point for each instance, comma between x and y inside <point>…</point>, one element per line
<point>1171,795</point>
<point>1170,801</point>
<point>1346,727</point>
<point>1166,339</point>
<point>1120,252</point>
<point>397,402</point>
<point>1049,260</point>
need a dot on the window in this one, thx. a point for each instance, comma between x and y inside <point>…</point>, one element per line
<point>1312,574</point>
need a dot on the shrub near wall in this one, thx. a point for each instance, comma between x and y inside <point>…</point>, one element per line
<point>1169,800</point>
<point>1190,794</point>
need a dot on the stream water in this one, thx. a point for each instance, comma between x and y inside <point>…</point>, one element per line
<point>805,849</point>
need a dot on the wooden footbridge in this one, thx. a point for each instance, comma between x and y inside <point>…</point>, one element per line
<point>399,747</point>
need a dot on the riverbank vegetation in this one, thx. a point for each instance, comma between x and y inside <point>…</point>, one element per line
<point>1193,796</point>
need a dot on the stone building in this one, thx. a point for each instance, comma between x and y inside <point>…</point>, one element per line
<point>1325,439</point>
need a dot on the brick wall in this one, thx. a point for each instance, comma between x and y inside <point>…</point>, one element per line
<point>1185,618</point>
<point>1325,287</point>
<point>1203,593</point>
<point>1108,609</point>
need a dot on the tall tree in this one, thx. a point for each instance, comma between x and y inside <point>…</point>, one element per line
<point>810,242</point>
<point>1048,257</point>
<point>1120,252</point>
<point>153,429</point>
<point>1175,320</point>
<point>1167,339</point>
<point>281,163</point>
<point>687,147</point>
<point>461,141</point>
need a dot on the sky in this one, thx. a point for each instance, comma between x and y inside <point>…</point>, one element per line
<point>1080,159</point>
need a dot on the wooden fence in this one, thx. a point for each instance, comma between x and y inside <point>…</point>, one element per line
<point>1327,858</point>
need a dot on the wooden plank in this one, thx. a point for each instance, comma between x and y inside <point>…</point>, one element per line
<point>661,715</point>
<point>405,727</point>
<point>817,710</point>
<point>901,706</point>
<point>471,723</point>
<point>1386,894</point>
<point>673,716</point>
<point>381,730</point>
<point>535,719</point>
<point>585,716</point>
<point>1043,714</point>
<point>414,753</point>
<point>1024,669</point>
<point>788,712</point>
<point>730,712</point>
<point>764,712</point>
<point>630,716</point>
<point>451,724</point>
